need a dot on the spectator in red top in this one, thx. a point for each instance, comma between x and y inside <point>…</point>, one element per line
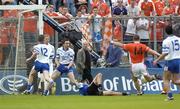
<point>11,27</point>
<point>178,9</point>
<point>117,31</point>
<point>173,3</point>
<point>169,9</point>
<point>147,7</point>
<point>64,15</point>
<point>136,1</point>
<point>159,7</point>
<point>159,30</point>
<point>103,8</point>
<point>51,13</point>
<point>84,10</point>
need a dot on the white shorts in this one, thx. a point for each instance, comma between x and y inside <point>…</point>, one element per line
<point>139,69</point>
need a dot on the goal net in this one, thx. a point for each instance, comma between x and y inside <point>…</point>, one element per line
<point>18,31</point>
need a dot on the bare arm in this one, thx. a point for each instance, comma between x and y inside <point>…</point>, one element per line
<point>153,52</point>
<point>32,57</point>
<point>57,62</point>
<point>117,43</point>
<point>160,58</point>
<point>71,64</point>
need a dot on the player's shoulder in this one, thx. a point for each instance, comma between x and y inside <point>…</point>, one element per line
<point>170,38</point>
<point>166,40</point>
<point>71,50</point>
<point>60,49</point>
<point>50,45</point>
<point>38,45</point>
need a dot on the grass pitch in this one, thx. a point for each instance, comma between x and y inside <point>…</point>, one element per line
<point>88,102</point>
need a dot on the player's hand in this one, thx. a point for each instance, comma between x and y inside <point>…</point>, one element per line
<point>112,42</point>
<point>108,64</point>
<point>67,67</point>
<point>155,62</point>
<point>27,60</point>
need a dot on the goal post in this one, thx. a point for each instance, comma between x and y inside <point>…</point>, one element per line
<point>22,9</point>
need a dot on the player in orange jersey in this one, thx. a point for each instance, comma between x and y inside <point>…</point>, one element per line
<point>137,51</point>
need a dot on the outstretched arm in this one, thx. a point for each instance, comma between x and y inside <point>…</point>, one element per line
<point>160,58</point>
<point>117,43</point>
<point>32,57</point>
<point>153,52</point>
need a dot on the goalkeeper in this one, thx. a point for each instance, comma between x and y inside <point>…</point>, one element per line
<point>95,88</point>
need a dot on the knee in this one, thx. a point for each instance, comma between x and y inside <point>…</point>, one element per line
<point>32,74</point>
<point>177,82</point>
<point>99,74</point>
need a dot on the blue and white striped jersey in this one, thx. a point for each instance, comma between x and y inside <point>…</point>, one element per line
<point>65,56</point>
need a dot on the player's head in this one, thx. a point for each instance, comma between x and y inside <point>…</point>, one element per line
<point>84,44</point>
<point>46,39</point>
<point>169,30</point>
<point>41,39</point>
<point>66,43</point>
<point>176,29</point>
<point>136,38</point>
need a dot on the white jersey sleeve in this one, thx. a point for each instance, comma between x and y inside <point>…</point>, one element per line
<point>165,47</point>
<point>52,55</point>
<point>36,49</point>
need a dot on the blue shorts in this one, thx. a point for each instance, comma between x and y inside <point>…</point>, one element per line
<point>174,65</point>
<point>62,68</point>
<point>40,67</point>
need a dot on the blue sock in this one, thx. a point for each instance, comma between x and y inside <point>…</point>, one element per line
<point>29,86</point>
<point>170,95</point>
<point>46,92</point>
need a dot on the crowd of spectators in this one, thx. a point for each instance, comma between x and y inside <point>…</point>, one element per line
<point>98,20</point>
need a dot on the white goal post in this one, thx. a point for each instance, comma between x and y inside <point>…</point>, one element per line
<point>24,9</point>
<point>29,7</point>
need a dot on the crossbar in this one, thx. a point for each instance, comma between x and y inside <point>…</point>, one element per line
<point>23,7</point>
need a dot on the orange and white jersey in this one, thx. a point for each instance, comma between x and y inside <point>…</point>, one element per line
<point>136,51</point>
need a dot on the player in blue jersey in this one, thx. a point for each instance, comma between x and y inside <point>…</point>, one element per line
<point>42,54</point>
<point>95,88</point>
<point>171,53</point>
<point>64,61</point>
